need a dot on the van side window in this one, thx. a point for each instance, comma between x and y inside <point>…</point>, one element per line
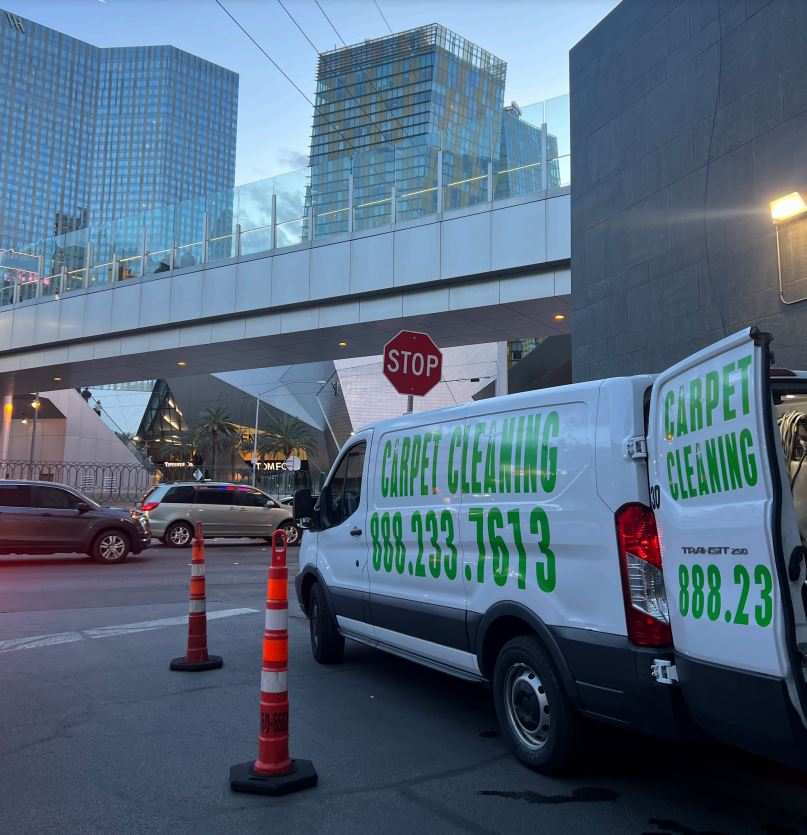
<point>214,495</point>
<point>180,495</point>
<point>344,490</point>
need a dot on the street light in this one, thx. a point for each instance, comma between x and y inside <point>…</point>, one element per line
<point>35,405</point>
<point>257,412</point>
<point>788,207</point>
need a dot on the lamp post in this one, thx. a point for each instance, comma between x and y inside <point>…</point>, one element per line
<point>257,414</point>
<point>35,405</point>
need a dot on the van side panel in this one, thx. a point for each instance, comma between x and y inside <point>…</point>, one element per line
<point>537,533</point>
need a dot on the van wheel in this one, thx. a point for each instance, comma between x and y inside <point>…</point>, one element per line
<point>327,645</point>
<point>178,535</point>
<point>110,546</point>
<point>532,707</point>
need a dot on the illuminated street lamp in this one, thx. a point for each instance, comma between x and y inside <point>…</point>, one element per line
<point>784,210</point>
<point>788,207</point>
<point>35,405</point>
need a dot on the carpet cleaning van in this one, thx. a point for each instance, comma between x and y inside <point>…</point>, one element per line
<point>627,550</point>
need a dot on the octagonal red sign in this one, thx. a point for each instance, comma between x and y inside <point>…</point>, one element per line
<point>412,363</point>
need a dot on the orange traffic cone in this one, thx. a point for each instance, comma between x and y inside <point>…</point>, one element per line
<point>274,772</point>
<point>196,657</point>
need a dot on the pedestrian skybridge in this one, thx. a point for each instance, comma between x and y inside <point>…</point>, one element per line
<point>285,270</point>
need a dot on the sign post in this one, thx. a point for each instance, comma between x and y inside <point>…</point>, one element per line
<point>413,364</point>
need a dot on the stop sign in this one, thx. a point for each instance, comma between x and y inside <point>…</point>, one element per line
<point>412,363</point>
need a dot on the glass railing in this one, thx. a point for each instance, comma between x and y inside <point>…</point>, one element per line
<point>377,187</point>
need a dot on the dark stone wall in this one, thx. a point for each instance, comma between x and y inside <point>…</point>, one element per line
<point>687,118</point>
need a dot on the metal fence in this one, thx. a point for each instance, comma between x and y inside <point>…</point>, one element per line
<point>102,482</point>
<point>279,483</point>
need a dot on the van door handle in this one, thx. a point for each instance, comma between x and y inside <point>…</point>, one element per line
<point>355,532</point>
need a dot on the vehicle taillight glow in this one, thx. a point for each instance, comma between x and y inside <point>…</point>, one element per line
<point>646,611</point>
<point>146,506</point>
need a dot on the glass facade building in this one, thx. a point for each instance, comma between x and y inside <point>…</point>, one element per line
<point>89,135</point>
<point>383,110</point>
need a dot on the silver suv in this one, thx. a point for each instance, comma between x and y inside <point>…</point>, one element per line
<point>226,510</point>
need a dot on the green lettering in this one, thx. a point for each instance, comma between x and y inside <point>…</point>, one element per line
<point>517,458</point>
<point>403,472</point>
<point>549,452</point>
<point>733,460</point>
<point>695,405</point>
<point>505,454</point>
<point>703,487</point>
<point>711,465</point>
<point>490,460</point>
<point>414,463</point>
<point>453,474</point>
<point>393,482</point>
<point>476,457</point>
<point>466,488</point>
<point>749,459</point>
<point>681,423</point>
<point>670,479</point>
<point>436,439</point>
<point>689,471</point>
<point>669,426</point>
<point>728,391</point>
<point>424,464</point>
<point>531,454</point>
<point>712,394</point>
<point>723,462</point>
<point>384,477</point>
<point>744,365</point>
<point>684,494</point>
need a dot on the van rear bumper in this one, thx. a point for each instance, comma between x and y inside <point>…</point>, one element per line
<point>614,684</point>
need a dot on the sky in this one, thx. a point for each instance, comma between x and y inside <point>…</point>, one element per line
<point>274,119</point>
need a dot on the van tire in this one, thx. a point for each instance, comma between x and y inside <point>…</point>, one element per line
<point>327,645</point>
<point>533,709</point>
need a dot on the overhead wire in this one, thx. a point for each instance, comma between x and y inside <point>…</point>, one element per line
<point>280,69</point>
<point>383,17</point>
<point>363,71</point>
<point>351,92</point>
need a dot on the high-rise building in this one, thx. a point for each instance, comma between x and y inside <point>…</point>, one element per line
<point>387,105</point>
<point>89,135</point>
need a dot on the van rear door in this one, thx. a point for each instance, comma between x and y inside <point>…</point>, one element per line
<point>727,529</point>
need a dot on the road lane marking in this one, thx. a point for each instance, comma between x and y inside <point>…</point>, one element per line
<point>35,641</point>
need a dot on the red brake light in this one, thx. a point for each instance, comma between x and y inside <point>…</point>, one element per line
<point>643,588</point>
<point>149,505</point>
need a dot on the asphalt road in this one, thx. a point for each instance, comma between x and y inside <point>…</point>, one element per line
<point>97,735</point>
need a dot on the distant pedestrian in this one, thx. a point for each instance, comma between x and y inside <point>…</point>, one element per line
<point>86,394</point>
<point>97,408</point>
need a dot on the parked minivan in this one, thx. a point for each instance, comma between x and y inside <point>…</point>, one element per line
<point>226,510</point>
<point>626,550</point>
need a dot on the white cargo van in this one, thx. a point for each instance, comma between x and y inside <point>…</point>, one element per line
<point>626,550</point>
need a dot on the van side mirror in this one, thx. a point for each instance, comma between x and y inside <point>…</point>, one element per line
<point>303,506</point>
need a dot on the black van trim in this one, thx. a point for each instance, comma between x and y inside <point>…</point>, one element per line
<point>431,622</point>
<point>763,340</point>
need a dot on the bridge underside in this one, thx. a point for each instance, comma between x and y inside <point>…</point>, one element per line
<point>467,313</point>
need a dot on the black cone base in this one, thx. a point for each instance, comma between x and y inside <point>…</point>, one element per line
<point>213,663</point>
<point>244,779</point>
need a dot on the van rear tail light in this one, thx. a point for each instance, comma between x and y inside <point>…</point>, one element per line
<point>146,506</point>
<point>646,611</point>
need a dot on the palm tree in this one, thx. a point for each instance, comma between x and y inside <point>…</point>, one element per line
<point>287,435</point>
<point>216,433</point>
